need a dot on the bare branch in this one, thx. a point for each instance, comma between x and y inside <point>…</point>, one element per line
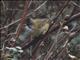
<point>26,16</point>
<point>75,4</point>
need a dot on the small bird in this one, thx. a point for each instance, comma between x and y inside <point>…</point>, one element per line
<point>40,26</point>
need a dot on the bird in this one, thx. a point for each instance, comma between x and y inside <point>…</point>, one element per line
<point>40,26</point>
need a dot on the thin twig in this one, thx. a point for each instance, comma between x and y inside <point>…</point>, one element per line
<point>30,3</point>
<point>3,4</point>
<point>72,18</point>
<point>75,4</point>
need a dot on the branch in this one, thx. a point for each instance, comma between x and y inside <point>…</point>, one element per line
<point>58,14</point>
<point>22,21</point>
<point>75,4</point>
<point>26,16</point>
<point>72,18</point>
